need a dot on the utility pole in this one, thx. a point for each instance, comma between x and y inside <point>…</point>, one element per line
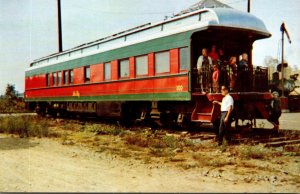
<point>282,58</point>
<point>59,27</point>
<point>283,30</point>
<point>283,99</point>
<point>248,7</point>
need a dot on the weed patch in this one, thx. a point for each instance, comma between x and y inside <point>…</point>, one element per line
<point>254,152</point>
<point>171,141</point>
<point>24,126</point>
<point>214,161</point>
<point>137,140</point>
<point>158,152</point>
<point>187,166</point>
<point>103,129</point>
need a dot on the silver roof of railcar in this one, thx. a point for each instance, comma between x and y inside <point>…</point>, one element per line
<point>239,19</point>
<point>223,17</point>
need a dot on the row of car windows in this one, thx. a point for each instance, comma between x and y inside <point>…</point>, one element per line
<point>68,76</point>
<point>162,65</point>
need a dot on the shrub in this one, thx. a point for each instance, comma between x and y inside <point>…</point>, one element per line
<point>255,152</point>
<point>116,131</point>
<point>171,141</point>
<point>39,128</point>
<point>156,143</point>
<point>24,126</point>
<point>9,104</point>
<point>188,143</point>
<point>104,129</point>
<point>138,140</point>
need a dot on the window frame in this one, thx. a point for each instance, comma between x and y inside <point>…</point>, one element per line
<point>136,65</point>
<point>155,63</point>
<point>187,57</point>
<point>54,78</point>
<point>66,77</point>
<point>87,74</point>
<point>48,80</point>
<point>119,63</point>
<point>59,78</point>
<point>105,75</point>
<point>71,76</point>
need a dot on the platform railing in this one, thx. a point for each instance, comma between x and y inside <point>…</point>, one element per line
<point>243,81</point>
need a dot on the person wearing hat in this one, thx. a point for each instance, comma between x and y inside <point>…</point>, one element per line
<point>275,110</point>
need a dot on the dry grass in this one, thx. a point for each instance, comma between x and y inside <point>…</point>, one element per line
<point>254,152</point>
<point>204,159</point>
<point>119,152</point>
<point>104,129</point>
<point>171,142</point>
<point>158,146</point>
<point>188,165</point>
<point>138,140</point>
<point>143,144</point>
<point>25,126</point>
<point>159,152</point>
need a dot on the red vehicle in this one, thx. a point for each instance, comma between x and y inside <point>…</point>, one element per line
<point>150,72</point>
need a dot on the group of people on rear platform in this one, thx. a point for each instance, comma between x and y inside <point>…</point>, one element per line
<point>214,70</point>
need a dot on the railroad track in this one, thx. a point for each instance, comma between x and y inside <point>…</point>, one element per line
<point>289,140</point>
<point>17,114</point>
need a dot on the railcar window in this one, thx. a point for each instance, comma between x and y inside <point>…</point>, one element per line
<point>71,76</point>
<point>47,79</point>
<point>87,74</point>
<point>54,78</point>
<point>141,64</point>
<point>183,55</point>
<point>124,68</point>
<point>107,72</point>
<point>162,62</point>
<point>66,77</point>
<point>59,78</point>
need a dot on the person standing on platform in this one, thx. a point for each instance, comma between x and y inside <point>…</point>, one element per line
<point>215,78</point>
<point>204,66</point>
<point>213,54</point>
<point>244,74</point>
<point>233,73</point>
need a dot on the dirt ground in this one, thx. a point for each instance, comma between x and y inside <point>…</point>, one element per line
<point>80,161</point>
<point>287,121</point>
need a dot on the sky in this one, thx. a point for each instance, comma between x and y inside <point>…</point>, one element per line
<point>28,28</point>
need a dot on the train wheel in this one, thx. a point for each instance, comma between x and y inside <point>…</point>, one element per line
<point>246,124</point>
<point>184,122</point>
<point>143,119</point>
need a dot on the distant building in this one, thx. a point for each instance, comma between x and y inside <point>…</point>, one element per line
<point>20,95</point>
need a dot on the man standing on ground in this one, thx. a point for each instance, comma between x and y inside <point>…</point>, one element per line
<point>226,110</point>
<point>275,111</point>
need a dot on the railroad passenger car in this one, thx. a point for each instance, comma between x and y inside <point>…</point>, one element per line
<point>149,72</point>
